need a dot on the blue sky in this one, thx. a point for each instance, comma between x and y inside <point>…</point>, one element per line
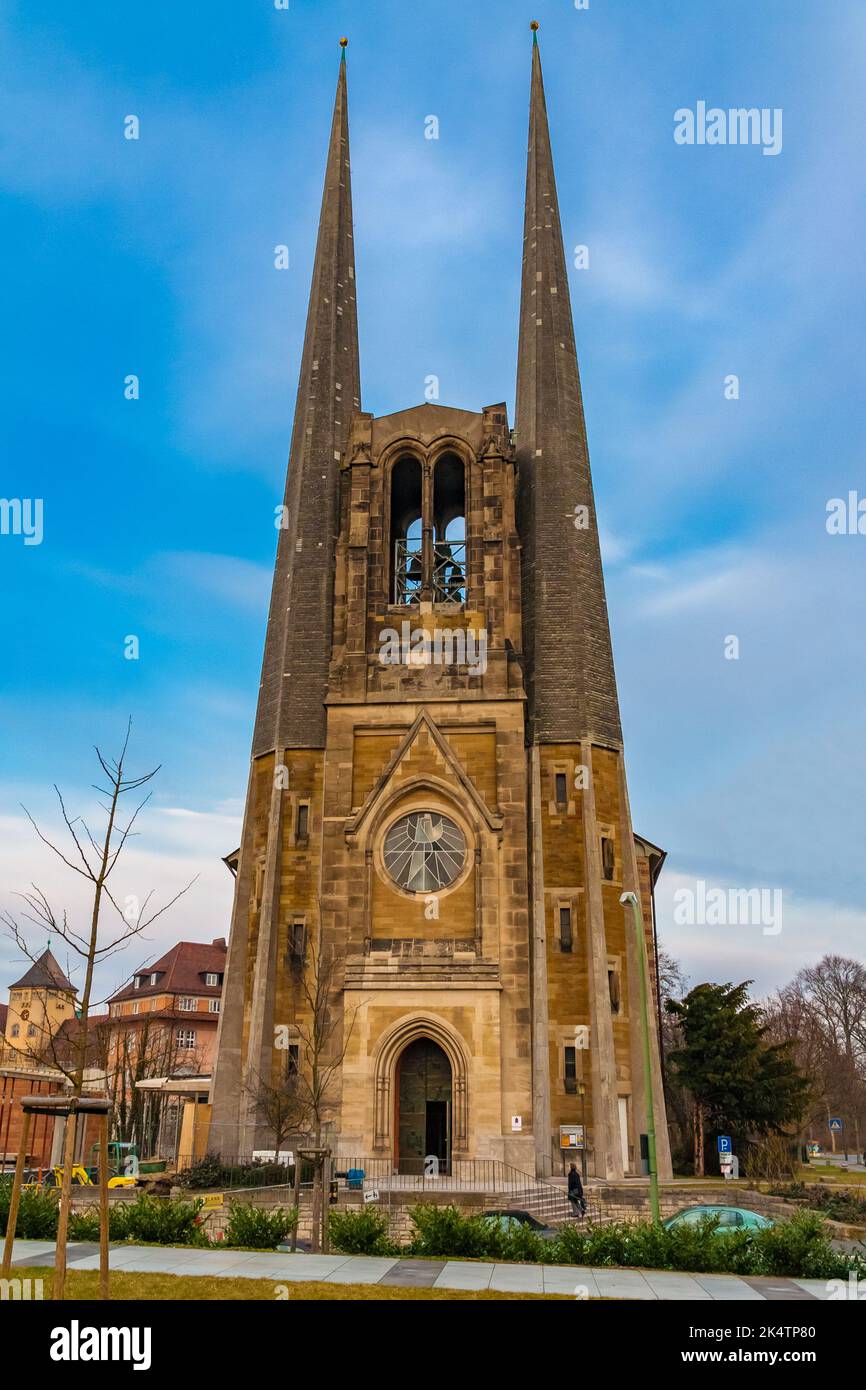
<point>155,257</point>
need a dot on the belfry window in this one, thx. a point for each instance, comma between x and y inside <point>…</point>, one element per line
<point>407,540</point>
<point>428,532</point>
<point>449,529</point>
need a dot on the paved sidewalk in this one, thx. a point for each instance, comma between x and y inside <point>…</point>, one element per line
<point>436,1274</point>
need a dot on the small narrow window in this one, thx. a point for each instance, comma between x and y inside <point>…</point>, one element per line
<point>298,940</point>
<point>607,858</point>
<point>613,990</point>
<point>292,1059</point>
<point>565,928</point>
<point>302,827</point>
<point>570,1060</point>
<point>561,789</point>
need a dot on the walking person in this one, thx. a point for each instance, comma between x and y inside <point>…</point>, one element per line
<point>575,1191</point>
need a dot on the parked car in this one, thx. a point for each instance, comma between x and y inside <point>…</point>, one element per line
<point>728,1219</point>
<point>511,1220</point>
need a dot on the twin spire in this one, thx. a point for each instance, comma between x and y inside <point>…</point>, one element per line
<point>567,658</point>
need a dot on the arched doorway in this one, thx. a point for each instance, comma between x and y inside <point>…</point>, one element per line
<point>423,1119</point>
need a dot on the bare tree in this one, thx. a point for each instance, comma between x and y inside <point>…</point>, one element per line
<point>833,993</point>
<point>323,1032</point>
<point>673,984</point>
<point>141,1052</point>
<point>93,859</point>
<point>282,1107</point>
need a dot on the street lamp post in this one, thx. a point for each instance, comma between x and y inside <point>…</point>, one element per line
<point>582,1094</point>
<point>631,900</point>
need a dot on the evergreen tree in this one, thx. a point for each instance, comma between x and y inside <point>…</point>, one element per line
<point>740,1083</point>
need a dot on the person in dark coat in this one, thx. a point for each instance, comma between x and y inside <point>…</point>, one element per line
<point>575,1191</point>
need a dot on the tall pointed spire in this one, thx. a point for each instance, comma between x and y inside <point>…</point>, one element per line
<point>291,711</point>
<point>569,665</point>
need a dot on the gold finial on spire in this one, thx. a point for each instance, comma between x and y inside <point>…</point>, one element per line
<point>534,25</point>
<point>344,43</point>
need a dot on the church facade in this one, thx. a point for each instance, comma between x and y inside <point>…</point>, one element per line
<point>437,828</point>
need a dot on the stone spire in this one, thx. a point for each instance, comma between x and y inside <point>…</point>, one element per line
<point>568,660</point>
<point>291,711</point>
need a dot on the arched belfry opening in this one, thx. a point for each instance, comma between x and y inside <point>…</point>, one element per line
<point>407,548</point>
<point>424,1105</point>
<point>428,531</point>
<point>449,530</point>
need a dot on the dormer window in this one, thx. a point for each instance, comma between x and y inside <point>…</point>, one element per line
<point>211,980</point>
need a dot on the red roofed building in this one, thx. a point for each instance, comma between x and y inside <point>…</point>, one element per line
<point>164,1024</point>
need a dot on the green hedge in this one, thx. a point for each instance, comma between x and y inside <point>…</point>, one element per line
<point>363,1232</point>
<point>798,1248</point>
<point>155,1220</point>
<point>258,1228</point>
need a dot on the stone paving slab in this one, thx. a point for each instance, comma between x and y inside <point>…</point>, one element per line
<point>414,1274</point>
<point>460,1274</point>
<point>817,1288</point>
<point>517,1278</point>
<point>724,1288</point>
<point>670,1284</point>
<point>208,1263</point>
<point>568,1279</point>
<point>622,1283</point>
<point>33,1251</point>
<point>779,1290</point>
<point>362,1269</point>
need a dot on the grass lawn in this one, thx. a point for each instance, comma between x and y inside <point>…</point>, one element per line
<point>828,1172</point>
<point>131,1287</point>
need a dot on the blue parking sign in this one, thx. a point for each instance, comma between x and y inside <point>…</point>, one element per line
<point>724,1144</point>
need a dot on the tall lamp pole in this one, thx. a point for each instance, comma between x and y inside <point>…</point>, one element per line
<point>582,1093</point>
<point>631,900</point>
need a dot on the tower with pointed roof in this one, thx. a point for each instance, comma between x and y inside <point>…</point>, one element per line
<point>40,1004</point>
<point>437,833</point>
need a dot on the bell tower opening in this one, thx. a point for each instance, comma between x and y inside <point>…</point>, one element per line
<point>423,1128</point>
<point>449,529</point>
<point>407,550</point>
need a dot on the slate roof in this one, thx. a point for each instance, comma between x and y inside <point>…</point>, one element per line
<point>44,973</point>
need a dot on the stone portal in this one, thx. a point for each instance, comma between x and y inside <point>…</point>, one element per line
<point>423,1107</point>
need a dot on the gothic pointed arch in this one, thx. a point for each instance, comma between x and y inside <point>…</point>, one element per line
<point>420,1024</point>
